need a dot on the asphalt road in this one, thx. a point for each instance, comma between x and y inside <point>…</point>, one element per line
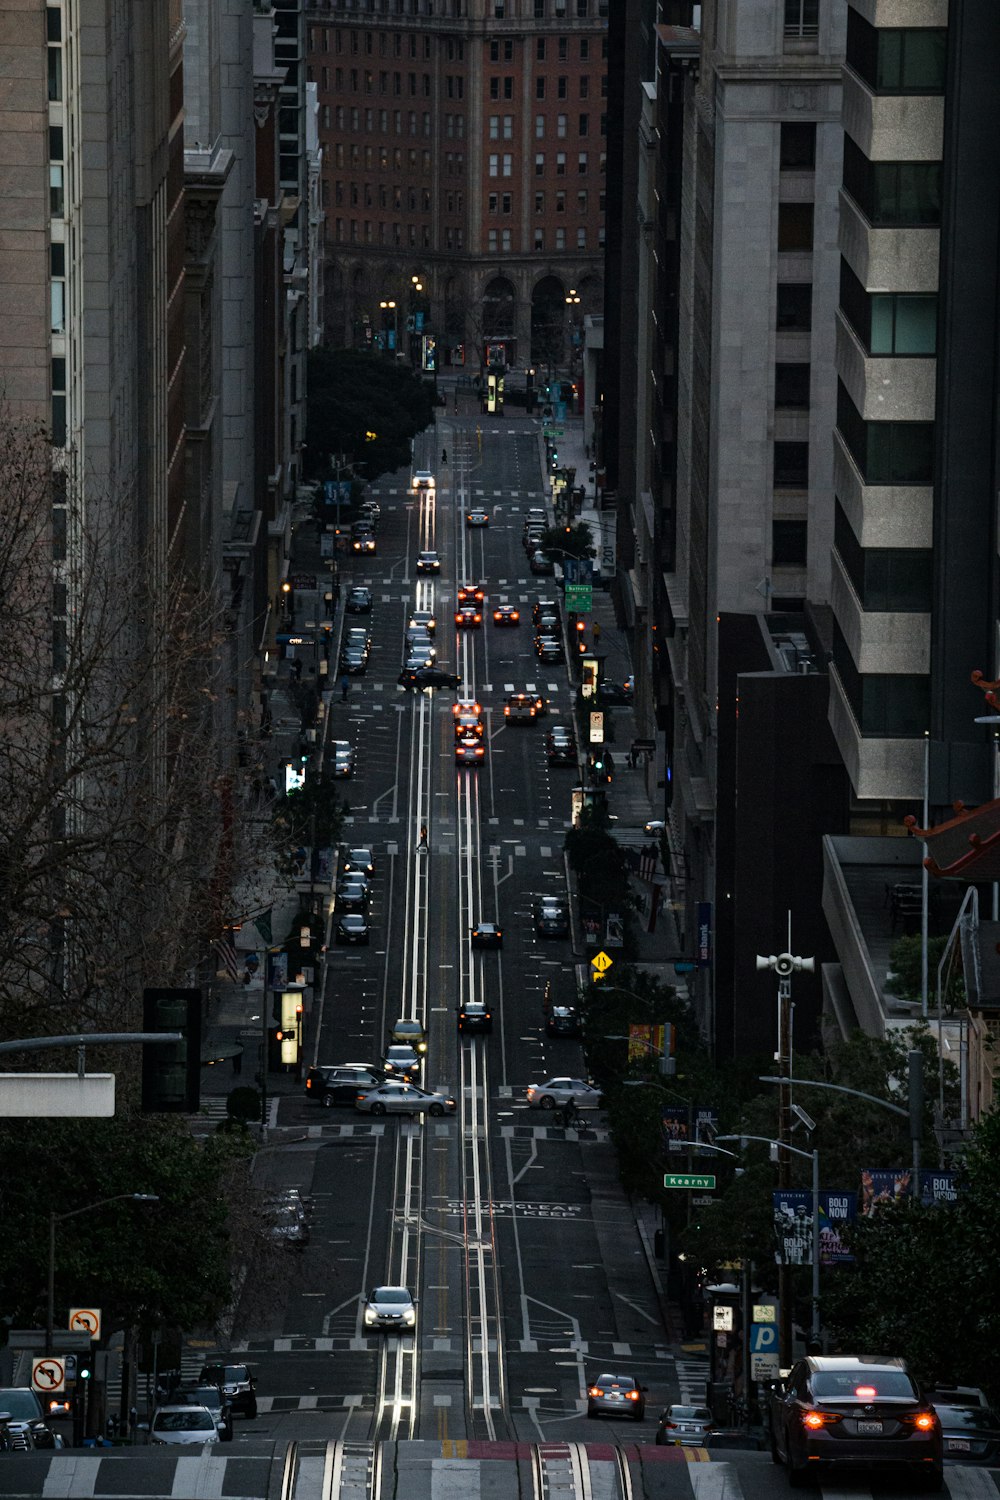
<point>490,1216</point>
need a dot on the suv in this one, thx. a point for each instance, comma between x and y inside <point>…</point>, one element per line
<point>236,1383</point>
<point>341,1083</point>
<point>861,1413</point>
<point>26,1429</point>
<point>474,1016</point>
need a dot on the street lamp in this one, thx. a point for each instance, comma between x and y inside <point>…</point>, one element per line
<point>55,1219</point>
<point>389,305</point>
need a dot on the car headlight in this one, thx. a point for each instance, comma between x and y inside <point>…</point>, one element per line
<point>371,1316</point>
<point>409,1317</point>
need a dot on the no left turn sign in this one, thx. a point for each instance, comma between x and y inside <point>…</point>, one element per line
<point>48,1373</point>
<point>85,1320</point>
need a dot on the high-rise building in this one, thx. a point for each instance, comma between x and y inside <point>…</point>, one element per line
<point>464,150</point>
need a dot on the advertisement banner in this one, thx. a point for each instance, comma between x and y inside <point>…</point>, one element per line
<point>888,1184</point>
<point>648,1041</point>
<point>704,939</point>
<point>793,1226</point>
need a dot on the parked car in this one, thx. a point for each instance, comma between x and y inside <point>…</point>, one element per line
<point>970,1433</point>
<point>685,1426</point>
<point>358,601</point>
<point>613,694</point>
<point>390,1307</point>
<point>864,1413</point>
<point>541,565</point>
<point>288,1219</point>
<point>353,929</point>
<point>236,1382</point>
<point>340,1083</point>
<point>619,1395</point>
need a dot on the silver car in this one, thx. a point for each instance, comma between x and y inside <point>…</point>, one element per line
<point>685,1426</point>
<point>184,1426</point>
<point>343,757</point>
<point>390,1307</point>
<point>557,1092</point>
<point>398,1097</point>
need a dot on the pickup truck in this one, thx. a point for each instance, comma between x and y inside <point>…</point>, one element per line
<point>521,708</point>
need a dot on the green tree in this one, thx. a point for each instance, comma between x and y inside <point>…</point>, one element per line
<point>169,1263</point>
<point>905,962</point>
<point>313,816</point>
<point>366,406</point>
<point>568,541</point>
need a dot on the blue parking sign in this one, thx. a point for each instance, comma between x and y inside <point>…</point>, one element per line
<point>763,1338</point>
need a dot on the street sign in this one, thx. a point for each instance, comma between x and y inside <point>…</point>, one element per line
<point>764,1366</point>
<point>579,598</point>
<point>553,432</point>
<point>602,963</point>
<point>688,1180</point>
<point>85,1320</point>
<point>763,1338</point>
<point>48,1373</point>
<point>597,729</point>
<point>704,1202</point>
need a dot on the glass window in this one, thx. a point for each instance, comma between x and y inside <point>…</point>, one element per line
<point>56,199</point>
<point>539,88</point>
<point>791,386</point>
<point>884,578</point>
<point>508,127</point>
<point>561,126</point>
<point>798,145</point>
<point>55,73</point>
<point>581,164</point>
<point>884,706</point>
<point>794,309</point>
<point>791,466</point>
<point>895,60</point>
<point>53,23</point>
<point>539,10</point>
<point>584,124</point>
<point>494,127</point>
<point>802,18</point>
<point>897,323</point>
<point>893,194</point>
<point>539,127</point>
<point>886,452</point>
<point>789,540</point>
<point>540,164</point>
<point>540,49</point>
<point>795,226</point>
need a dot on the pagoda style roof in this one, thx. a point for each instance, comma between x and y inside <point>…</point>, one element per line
<point>967,847</point>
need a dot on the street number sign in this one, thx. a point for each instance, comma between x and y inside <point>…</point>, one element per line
<point>688,1180</point>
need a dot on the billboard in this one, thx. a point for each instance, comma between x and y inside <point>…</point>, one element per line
<point>793,1226</point>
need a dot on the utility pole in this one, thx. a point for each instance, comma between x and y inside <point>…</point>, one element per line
<point>784,966</point>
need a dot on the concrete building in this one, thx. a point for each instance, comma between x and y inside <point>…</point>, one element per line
<point>464,148</point>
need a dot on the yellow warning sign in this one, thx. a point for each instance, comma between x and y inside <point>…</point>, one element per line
<point>601,962</point>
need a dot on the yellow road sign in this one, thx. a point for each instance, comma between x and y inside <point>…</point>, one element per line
<point>601,962</point>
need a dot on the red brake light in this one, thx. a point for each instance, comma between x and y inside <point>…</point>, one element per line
<point>633,1395</point>
<point>924,1420</point>
<point>814,1420</point>
<point>595,1390</point>
<point>865,1392</point>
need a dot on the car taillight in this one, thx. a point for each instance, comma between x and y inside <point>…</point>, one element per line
<point>595,1390</point>
<point>924,1421</point>
<point>633,1395</point>
<point>865,1392</point>
<point>814,1420</point>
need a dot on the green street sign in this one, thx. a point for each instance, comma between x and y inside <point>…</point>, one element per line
<point>553,432</point>
<point>579,598</point>
<point>688,1180</point>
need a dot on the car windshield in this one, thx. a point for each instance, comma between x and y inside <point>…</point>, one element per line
<point>201,1395</point>
<point>392,1295</point>
<point>690,1414</point>
<point>608,1382</point>
<point>23,1406</point>
<point>969,1418</point>
<point>189,1420</point>
<point>842,1385</point>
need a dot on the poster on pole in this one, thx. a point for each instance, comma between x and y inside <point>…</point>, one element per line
<point>793,1226</point>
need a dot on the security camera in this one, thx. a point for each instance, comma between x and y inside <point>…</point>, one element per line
<point>800,1114</point>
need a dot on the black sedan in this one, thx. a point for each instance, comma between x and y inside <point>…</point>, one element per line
<point>354,661</point>
<point>428,677</point>
<point>353,928</point>
<point>548,649</point>
<point>614,694</point>
<point>541,565</point>
<point>506,614</point>
<point>359,601</point>
<point>563,1020</point>
<point>486,935</point>
<point>552,919</point>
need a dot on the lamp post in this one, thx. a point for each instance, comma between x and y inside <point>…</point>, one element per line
<point>55,1219</point>
<point>573,302</point>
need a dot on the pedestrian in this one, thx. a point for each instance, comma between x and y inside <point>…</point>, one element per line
<point>345,687</point>
<point>297,668</point>
<point>632,753</point>
<point>444,455</point>
<point>596,633</point>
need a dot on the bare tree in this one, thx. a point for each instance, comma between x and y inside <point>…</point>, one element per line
<point>119,825</point>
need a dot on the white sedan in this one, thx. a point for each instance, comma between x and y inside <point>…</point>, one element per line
<point>557,1092</point>
<point>423,479</point>
<point>396,1097</point>
<point>183,1426</point>
<point>390,1307</point>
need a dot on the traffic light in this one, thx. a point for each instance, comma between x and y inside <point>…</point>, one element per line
<point>171,1071</point>
<point>84,1367</point>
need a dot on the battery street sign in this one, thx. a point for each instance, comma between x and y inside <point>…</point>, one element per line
<point>579,598</point>
<point>688,1180</point>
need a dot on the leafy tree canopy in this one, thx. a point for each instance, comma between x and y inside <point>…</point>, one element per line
<point>571,541</point>
<point>365,406</point>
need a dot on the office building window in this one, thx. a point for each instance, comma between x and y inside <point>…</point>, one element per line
<point>57,270</point>
<point>802,18</point>
<point>789,540</point>
<point>560,239</point>
<point>562,88</point>
<point>791,387</point>
<point>539,8</point>
<point>798,146</point>
<point>493,166</point>
<point>897,323</point>
<point>584,87</point>
<point>539,88</point>
<point>540,164</point>
<point>791,466</point>
<point>508,88</point>
<point>560,164</point>
<point>886,452</point>
<point>894,60</point>
<point>581,164</point>
<point>539,203</point>
<point>494,50</point>
<point>892,579</point>
<point>492,241</point>
<point>893,194</point>
<point>584,124</point>
<point>582,9</point>
<point>561,121</point>
<point>540,49</point>
<point>508,165</point>
<point>505,241</point>
<point>539,239</point>
<point>508,127</point>
<point>56,179</point>
<point>494,88</point>
<point>494,127</point>
<point>584,49</point>
<point>59,403</point>
<point>794,310</point>
<point>539,127</point>
<point>886,707</point>
<point>795,226</point>
<point>581,201</point>
<point>560,203</point>
<point>581,239</point>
